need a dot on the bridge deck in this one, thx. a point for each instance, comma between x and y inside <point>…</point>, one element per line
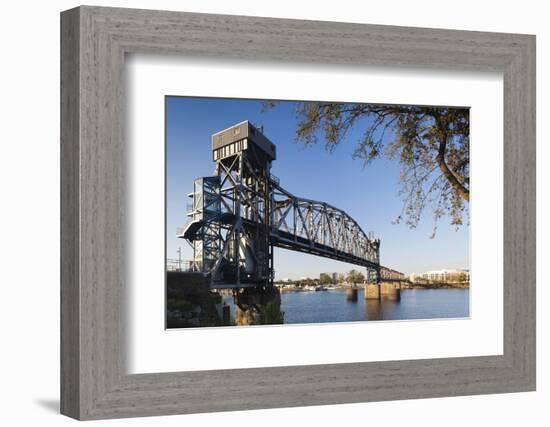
<point>286,240</point>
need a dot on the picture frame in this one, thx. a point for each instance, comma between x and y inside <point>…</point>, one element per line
<point>94,42</point>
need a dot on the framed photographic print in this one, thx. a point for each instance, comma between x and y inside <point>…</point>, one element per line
<point>281,213</point>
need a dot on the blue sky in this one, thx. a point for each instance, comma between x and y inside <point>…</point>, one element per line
<point>369,195</point>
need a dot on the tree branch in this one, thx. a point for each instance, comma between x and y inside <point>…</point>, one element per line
<point>447,172</point>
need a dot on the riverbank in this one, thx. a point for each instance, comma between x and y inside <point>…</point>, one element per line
<point>458,285</point>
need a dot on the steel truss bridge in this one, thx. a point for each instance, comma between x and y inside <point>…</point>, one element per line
<point>241,212</point>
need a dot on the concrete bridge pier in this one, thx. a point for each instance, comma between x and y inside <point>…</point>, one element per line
<point>351,294</point>
<point>390,291</point>
<point>372,291</point>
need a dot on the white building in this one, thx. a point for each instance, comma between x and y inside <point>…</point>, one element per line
<point>445,275</point>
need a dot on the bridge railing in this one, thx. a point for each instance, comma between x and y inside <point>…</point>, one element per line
<point>179,265</point>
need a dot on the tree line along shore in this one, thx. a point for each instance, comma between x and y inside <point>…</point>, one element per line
<point>357,279</point>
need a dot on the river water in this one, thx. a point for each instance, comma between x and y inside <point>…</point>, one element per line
<point>332,306</point>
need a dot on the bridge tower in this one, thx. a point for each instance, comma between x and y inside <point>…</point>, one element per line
<point>230,219</point>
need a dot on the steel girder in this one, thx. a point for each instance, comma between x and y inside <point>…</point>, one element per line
<point>321,229</point>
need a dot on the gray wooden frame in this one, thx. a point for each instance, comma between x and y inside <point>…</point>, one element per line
<point>94,41</point>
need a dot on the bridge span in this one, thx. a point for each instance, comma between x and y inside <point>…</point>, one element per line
<point>241,212</point>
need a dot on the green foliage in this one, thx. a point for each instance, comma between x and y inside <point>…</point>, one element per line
<point>325,279</point>
<point>271,314</point>
<point>430,143</point>
<point>307,282</point>
<point>355,277</point>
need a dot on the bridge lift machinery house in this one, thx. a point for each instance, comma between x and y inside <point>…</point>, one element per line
<point>241,212</point>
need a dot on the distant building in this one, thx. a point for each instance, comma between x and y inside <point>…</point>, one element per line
<point>418,279</point>
<point>442,276</point>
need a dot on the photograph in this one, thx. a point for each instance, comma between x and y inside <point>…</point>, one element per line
<point>301,212</point>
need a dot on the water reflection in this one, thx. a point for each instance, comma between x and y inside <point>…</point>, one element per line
<point>381,310</point>
<point>333,306</point>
